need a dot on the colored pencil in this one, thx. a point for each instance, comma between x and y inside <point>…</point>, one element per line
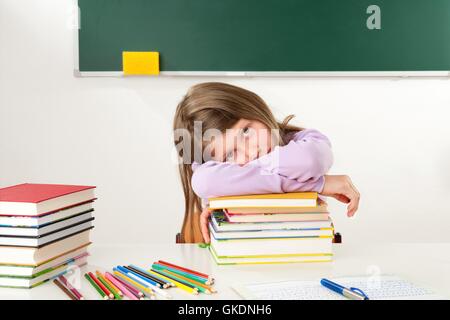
<point>128,269</point>
<point>185,281</point>
<point>149,292</point>
<point>208,289</point>
<point>121,287</point>
<point>135,291</point>
<point>157,275</point>
<point>65,290</point>
<point>104,289</point>
<point>103,281</point>
<point>96,287</point>
<point>155,289</point>
<point>70,287</point>
<point>184,274</point>
<point>112,285</point>
<point>169,281</point>
<point>180,285</point>
<point>186,270</point>
<point>162,282</point>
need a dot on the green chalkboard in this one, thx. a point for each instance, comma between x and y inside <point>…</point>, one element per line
<point>267,35</point>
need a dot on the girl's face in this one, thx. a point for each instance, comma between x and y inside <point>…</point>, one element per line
<point>247,140</point>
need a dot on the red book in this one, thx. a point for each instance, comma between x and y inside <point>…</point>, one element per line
<point>31,199</point>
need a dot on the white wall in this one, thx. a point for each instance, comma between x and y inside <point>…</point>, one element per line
<point>391,136</point>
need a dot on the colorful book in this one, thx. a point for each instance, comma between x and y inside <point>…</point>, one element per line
<point>39,241</point>
<point>26,221</point>
<point>272,217</point>
<point>30,199</point>
<point>32,256</point>
<point>43,276</point>
<point>321,207</point>
<point>276,200</point>
<point>29,271</point>
<point>221,223</point>
<point>272,246</point>
<point>265,259</point>
<point>46,229</point>
<point>270,234</point>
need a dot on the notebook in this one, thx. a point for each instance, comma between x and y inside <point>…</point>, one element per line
<point>275,200</point>
<point>30,199</point>
<point>25,221</point>
<point>383,287</point>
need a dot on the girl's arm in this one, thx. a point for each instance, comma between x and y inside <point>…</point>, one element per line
<point>298,166</point>
<point>213,179</point>
<point>307,156</point>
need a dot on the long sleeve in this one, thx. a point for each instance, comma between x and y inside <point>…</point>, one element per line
<point>298,166</point>
<point>213,179</point>
<point>307,156</point>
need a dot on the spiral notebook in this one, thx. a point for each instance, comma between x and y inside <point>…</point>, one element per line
<point>382,287</point>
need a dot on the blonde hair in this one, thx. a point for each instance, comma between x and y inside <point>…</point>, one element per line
<point>218,106</point>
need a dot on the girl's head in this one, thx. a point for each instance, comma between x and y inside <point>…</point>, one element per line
<point>222,122</point>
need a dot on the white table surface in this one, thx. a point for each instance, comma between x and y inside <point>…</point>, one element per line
<point>426,265</point>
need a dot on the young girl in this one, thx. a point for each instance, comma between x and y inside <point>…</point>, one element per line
<point>229,143</point>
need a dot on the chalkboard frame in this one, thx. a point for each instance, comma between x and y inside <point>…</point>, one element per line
<point>249,74</point>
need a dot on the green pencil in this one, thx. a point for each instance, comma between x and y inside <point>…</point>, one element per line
<point>185,282</point>
<point>182,273</point>
<point>96,287</point>
<point>106,284</point>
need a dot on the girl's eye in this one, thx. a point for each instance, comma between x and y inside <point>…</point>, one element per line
<point>246,131</point>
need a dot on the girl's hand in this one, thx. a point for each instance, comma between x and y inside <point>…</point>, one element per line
<point>204,224</point>
<point>342,189</point>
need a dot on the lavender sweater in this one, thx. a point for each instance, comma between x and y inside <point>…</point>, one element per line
<point>298,166</point>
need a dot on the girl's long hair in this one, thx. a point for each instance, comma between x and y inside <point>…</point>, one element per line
<point>218,106</point>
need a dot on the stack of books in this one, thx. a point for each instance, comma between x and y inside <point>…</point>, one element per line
<point>270,228</point>
<point>44,231</point>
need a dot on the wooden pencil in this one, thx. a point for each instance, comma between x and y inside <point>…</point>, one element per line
<point>104,289</point>
<point>186,270</point>
<point>65,290</point>
<point>96,287</point>
<point>208,289</point>
<point>70,287</point>
<point>135,291</point>
<point>122,287</point>
<point>144,273</point>
<point>105,283</point>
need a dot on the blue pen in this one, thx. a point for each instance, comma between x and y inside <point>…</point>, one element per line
<point>350,293</point>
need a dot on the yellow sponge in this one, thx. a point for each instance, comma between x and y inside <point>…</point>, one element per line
<point>140,63</point>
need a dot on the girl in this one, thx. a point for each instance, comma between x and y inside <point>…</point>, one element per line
<point>229,143</point>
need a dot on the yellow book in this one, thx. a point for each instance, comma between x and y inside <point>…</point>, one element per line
<point>273,200</point>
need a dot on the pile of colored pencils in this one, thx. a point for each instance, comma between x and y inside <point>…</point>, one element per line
<point>185,279</point>
<point>164,275</point>
<point>137,283</point>
<point>109,286</point>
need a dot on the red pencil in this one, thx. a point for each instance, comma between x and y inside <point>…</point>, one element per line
<point>104,289</point>
<point>185,269</point>
<point>70,287</point>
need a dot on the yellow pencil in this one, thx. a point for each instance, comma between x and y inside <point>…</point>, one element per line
<point>208,289</point>
<point>136,284</point>
<point>176,283</point>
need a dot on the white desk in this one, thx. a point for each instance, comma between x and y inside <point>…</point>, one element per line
<point>426,265</point>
